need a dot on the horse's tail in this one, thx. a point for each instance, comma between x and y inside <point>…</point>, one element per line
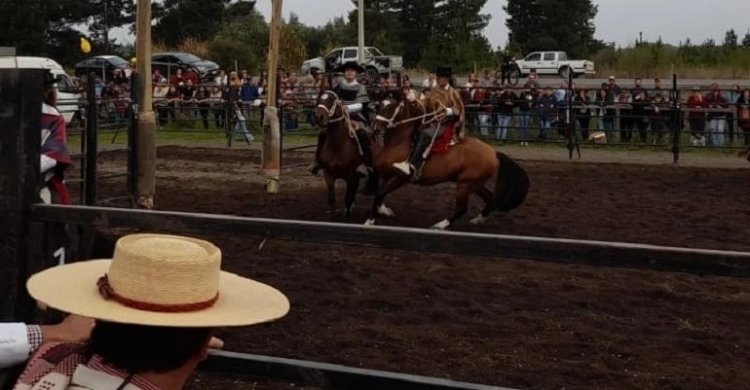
<point>512,184</point>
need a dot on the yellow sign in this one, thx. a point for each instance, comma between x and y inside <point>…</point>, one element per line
<point>85,46</point>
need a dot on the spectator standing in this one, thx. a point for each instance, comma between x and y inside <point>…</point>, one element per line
<point>192,75</point>
<point>581,102</point>
<point>506,102</point>
<point>743,114</point>
<point>546,106</point>
<point>716,119</point>
<point>177,79</point>
<point>697,117</point>
<point>732,95</point>
<point>640,102</point>
<point>484,110</point>
<point>605,113</point>
<point>624,103</point>
<point>221,79</point>
<point>532,82</point>
<point>659,116</point>
<point>217,103</point>
<point>613,87</point>
<point>526,102</point>
<point>203,100</point>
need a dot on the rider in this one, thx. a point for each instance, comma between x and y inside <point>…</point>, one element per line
<point>355,100</point>
<point>447,101</point>
<point>54,153</point>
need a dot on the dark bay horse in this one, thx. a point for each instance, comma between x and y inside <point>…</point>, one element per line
<point>340,155</point>
<point>470,164</point>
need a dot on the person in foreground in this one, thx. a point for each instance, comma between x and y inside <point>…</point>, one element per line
<point>156,305</point>
<point>20,340</point>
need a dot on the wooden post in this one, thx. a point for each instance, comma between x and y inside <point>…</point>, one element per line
<point>20,137</point>
<point>361,34</point>
<point>271,125</point>
<point>146,185</point>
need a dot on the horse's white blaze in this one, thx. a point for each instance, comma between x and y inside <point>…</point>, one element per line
<point>386,211</point>
<point>479,220</point>
<point>442,225</point>
<point>324,96</point>
<point>370,222</point>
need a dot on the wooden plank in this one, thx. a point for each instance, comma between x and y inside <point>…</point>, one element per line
<point>328,375</point>
<point>555,250</point>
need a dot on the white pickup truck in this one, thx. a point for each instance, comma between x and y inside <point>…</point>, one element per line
<point>554,62</point>
<point>376,63</point>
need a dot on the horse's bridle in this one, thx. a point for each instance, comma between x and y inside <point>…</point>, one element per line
<point>336,104</point>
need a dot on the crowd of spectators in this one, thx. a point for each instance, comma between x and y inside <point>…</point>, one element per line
<point>634,114</point>
<point>525,113</point>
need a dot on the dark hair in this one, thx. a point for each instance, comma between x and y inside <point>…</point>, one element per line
<point>138,349</point>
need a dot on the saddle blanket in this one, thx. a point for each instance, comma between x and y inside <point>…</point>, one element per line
<point>444,142</point>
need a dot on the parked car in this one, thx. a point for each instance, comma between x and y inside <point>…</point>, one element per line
<point>103,66</point>
<point>68,98</point>
<point>168,63</point>
<point>554,62</point>
<point>376,63</point>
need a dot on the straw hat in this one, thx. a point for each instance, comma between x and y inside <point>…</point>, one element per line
<point>159,280</point>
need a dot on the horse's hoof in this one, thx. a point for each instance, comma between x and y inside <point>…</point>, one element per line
<point>442,225</point>
<point>386,211</point>
<point>370,222</point>
<point>479,220</point>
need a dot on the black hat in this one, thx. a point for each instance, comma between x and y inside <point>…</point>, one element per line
<point>351,65</point>
<point>444,71</point>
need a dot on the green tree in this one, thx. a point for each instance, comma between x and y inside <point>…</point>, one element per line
<point>553,25</point>
<point>746,40</point>
<point>44,28</point>
<point>457,39</point>
<point>197,19</point>
<point>244,40</point>
<point>730,39</point>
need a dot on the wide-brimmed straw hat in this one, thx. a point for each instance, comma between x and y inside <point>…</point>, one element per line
<point>159,280</point>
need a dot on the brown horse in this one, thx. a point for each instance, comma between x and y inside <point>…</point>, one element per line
<point>339,155</point>
<point>470,164</point>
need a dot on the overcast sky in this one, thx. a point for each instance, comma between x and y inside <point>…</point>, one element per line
<point>618,21</point>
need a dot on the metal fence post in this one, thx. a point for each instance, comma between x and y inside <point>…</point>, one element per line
<point>133,145</point>
<point>571,134</point>
<point>228,113</point>
<point>676,120</point>
<point>89,147</point>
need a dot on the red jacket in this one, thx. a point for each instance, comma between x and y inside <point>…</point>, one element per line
<point>696,102</point>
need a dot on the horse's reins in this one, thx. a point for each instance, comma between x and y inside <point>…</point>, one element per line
<point>344,116</point>
<point>391,122</point>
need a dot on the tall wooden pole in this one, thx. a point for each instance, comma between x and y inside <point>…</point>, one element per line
<point>272,125</point>
<point>146,137</point>
<point>361,39</point>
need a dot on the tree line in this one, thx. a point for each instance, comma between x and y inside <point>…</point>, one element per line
<point>426,33</point>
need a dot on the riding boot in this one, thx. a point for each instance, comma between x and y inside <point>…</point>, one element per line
<point>364,141</point>
<point>315,166</point>
<point>417,159</point>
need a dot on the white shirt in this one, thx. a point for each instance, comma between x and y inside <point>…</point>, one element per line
<point>14,344</point>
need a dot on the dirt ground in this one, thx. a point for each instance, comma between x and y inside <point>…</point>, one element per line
<point>487,320</point>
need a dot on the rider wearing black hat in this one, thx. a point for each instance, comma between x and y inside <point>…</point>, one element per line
<point>354,98</point>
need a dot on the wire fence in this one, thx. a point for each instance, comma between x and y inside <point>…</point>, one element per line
<point>674,118</point>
